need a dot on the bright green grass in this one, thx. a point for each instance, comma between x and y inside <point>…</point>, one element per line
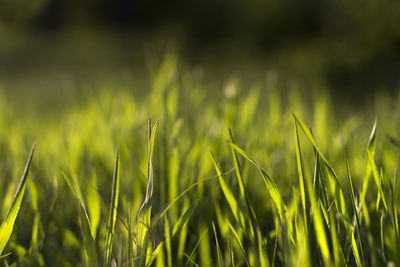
<point>287,182</point>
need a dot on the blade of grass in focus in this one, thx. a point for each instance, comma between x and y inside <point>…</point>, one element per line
<point>243,191</point>
<point>359,259</point>
<point>7,225</point>
<point>269,182</point>
<point>317,218</point>
<point>144,222</point>
<point>113,212</point>
<point>230,198</point>
<point>90,253</point>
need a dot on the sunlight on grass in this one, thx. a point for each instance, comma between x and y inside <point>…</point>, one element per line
<point>263,198</point>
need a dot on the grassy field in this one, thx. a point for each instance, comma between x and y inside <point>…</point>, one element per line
<point>257,178</point>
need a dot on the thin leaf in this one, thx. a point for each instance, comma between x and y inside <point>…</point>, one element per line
<point>113,211</point>
<point>219,254</point>
<point>301,178</point>
<point>269,182</point>
<point>7,226</point>
<point>230,198</point>
<point>243,191</point>
<point>90,252</point>
<point>353,202</point>
<point>144,215</point>
<point>235,234</point>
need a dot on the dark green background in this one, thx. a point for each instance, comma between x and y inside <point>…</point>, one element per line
<point>53,46</point>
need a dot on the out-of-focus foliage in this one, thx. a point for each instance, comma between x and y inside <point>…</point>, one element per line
<point>21,13</point>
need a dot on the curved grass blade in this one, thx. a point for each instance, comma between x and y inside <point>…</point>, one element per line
<point>301,178</point>
<point>90,252</point>
<point>7,226</point>
<point>394,208</point>
<point>88,240</point>
<point>237,167</point>
<point>235,234</point>
<point>234,206</point>
<point>334,182</point>
<point>144,222</point>
<point>354,245</point>
<point>243,191</point>
<point>113,211</point>
<point>317,218</point>
<point>318,225</point>
<point>367,172</point>
<point>184,218</point>
<point>269,182</point>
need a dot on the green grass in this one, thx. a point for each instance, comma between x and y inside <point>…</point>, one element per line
<point>288,182</point>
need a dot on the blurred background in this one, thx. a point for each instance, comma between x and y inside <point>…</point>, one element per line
<point>53,50</point>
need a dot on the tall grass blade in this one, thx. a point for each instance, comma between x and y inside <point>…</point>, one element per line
<point>7,226</point>
<point>190,257</point>
<point>353,202</point>
<point>269,182</point>
<point>367,172</point>
<point>219,254</point>
<point>334,182</point>
<point>178,227</point>
<point>377,178</point>
<point>301,178</point>
<point>235,234</point>
<point>184,218</point>
<point>237,167</point>
<point>243,190</point>
<point>306,181</point>
<point>94,204</point>
<point>168,242</point>
<point>233,204</point>
<point>112,219</point>
<point>144,221</point>
<point>90,253</point>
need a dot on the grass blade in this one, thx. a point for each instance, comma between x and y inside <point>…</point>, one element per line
<point>243,191</point>
<point>94,204</point>
<point>354,245</point>
<point>301,178</point>
<point>179,226</point>
<point>235,234</point>
<point>269,182</point>
<point>144,221</point>
<point>7,226</point>
<point>367,172</point>
<point>184,218</point>
<point>90,253</point>
<point>237,167</point>
<point>317,218</point>
<point>233,204</point>
<point>219,254</point>
<point>112,219</point>
<point>377,178</point>
<point>334,182</point>
<point>231,255</point>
